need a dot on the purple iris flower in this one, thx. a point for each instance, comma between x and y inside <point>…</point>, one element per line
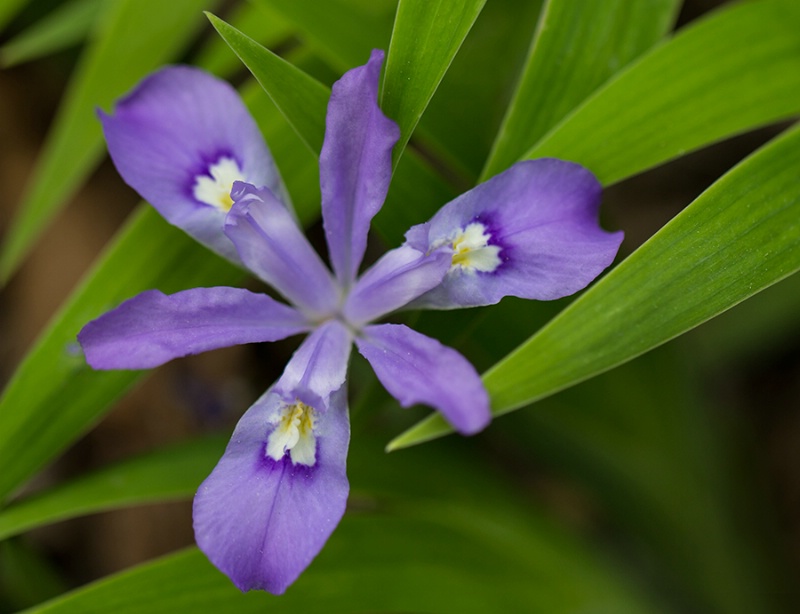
<point>186,143</point>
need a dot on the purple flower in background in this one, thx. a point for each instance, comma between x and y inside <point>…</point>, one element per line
<point>185,142</point>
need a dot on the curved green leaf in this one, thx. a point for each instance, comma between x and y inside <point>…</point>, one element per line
<point>577,47</point>
<point>130,44</point>
<point>732,71</point>
<point>737,238</point>
<point>426,37</point>
<point>163,475</point>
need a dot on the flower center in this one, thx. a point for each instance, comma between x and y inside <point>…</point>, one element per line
<point>294,433</point>
<point>472,251</point>
<point>214,188</point>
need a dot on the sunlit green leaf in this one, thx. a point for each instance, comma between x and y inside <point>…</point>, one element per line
<point>737,238</point>
<point>168,474</point>
<point>578,46</point>
<point>427,35</point>
<point>65,26</point>
<point>702,86</point>
<point>130,44</point>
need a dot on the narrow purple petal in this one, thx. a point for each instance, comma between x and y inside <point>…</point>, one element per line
<point>262,521</point>
<point>355,165</point>
<point>153,328</point>
<point>272,246</point>
<point>181,126</point>
<point>319,366</point>
<point>400,276</point>
<point>530,232</point>
<point>417,369</point>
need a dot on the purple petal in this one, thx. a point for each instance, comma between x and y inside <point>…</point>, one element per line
<point>262,521</point>
<point>530,232</point>
<point>319,366</point>
<point>417,369</point>
<point>178,127</point>
<point>153,328</point>
<point>400,276</point>
<point>272,246</point>
<point>355,165</point>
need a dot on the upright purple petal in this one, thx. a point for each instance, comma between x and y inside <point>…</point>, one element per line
<point>281,488</point>
<point>530,232</point>
<point>319,366</point>
<point>355,165</point>
<point>400,276</point>
<point>179,139</point>
<point>272,246</point>
<point>417,369</point>
<point>153,328</point>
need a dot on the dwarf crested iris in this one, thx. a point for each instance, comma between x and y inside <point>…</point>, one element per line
<point>186,143</point>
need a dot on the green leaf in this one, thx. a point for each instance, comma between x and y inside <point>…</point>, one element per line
<point>167,474</point>
<point>54,396</point>
<point>426,37</point>
<point>702,86</point>
<point>67,25</point>
<point>130,44</point>
<point>388,562</point>
<point>299,97</point>
<point>737,238</point>
<point>577,47</point>
<point>343,32</point>
<point>267,27</point>
<point>416,191</point>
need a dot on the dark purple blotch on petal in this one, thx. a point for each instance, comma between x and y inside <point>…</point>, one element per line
<point>543,215</point>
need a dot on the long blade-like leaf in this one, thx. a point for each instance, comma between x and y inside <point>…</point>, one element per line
<point>131,44</point>
<point>165,475</point>
<point>702,86</point>
<point>54,396</point>
<point>737,238</point>
<point>577,47</point>
<point>427,35</point>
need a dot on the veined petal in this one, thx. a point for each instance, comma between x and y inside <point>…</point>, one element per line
<point>530,232</point>
<point>319,366</point>
<point>153,328</point>
<point>417,369</point>
<point>400,276</point>
<point>272,246</point>
<point>355,165</point>
<point>262,521</point>
<point>180,139</point>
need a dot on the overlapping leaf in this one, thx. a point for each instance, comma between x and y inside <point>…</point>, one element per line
<point>577,47</point>
<point>739,237</point>
<point>130,45</point>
